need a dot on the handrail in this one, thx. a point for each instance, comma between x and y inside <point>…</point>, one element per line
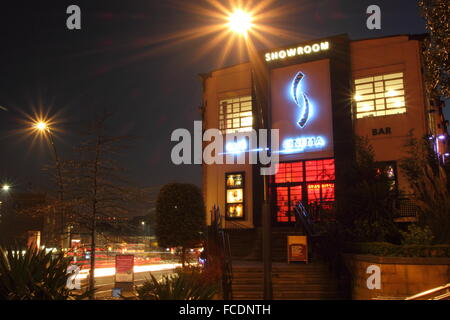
<point>439,293</point>
<point>238,224</point>
<point>228,267</point>
<point>223,250</point>
<point>302,216</point>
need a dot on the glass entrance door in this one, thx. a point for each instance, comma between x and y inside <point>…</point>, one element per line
<point>287,198</point>
<point>311,182</point>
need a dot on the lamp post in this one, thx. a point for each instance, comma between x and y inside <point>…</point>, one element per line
<point>44,128</point>
<point>240,22</point>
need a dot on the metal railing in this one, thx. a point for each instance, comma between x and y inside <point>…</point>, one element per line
<point>439,293</point>
<point>219,240</point>
<point>227,277</point>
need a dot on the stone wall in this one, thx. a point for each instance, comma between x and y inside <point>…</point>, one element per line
<point>400,276</point>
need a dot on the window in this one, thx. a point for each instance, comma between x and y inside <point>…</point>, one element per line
<point>311,182</point>
<point>289,172</point>
<point>234,188</point>
<point>287,198</point>
<point>320,170</point>
<point>235,115</point>
<point>380,95</point>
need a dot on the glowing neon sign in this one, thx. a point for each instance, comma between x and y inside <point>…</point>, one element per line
<point>298,51</point>
<point>302,144</point>
<point>301,100</point>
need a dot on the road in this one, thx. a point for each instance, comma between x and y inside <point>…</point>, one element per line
<point>104,277</point>
<point>104,285</point>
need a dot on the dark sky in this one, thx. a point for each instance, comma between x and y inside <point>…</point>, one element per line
<point>117,62</point>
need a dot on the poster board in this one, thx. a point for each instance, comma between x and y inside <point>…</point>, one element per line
<point>297,249</point>
<point>124,268</point>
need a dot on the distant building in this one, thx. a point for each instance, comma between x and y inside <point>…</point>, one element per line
<point>18,217</point>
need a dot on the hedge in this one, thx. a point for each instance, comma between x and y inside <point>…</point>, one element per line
<point>391,250</point>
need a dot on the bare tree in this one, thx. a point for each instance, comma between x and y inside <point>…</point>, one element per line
<point>96,187</point>
<point>437,47</point>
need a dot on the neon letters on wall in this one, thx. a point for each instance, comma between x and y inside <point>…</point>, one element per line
<point>297,51</point>
<point>302,144</point>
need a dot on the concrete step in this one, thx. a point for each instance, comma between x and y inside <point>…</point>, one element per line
<point>290,281</point>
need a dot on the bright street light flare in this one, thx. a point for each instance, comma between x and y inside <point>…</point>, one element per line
<point>6,187</point>
<point>41,125</point>
<point>240,22</point>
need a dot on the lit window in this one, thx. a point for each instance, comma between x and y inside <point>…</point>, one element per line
<point>311,182</point>
<point>289,172</point>
<point>320,170</point>
<point>234,188</point>
<point>235,115</point>
<point>380,95</point>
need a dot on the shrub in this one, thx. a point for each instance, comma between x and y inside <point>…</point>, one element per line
<point>365,231</point>
<point>430,186</point>
<point>417,235</point>
<point>366,208</point>
<point>185,284</point>
<point>391,250</point>
<point>34,275</point>
<point>180,217</point>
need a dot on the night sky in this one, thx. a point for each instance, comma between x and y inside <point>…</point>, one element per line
<point>122,60</point>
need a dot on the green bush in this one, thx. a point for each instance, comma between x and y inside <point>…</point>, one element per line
<point>417,235</point>
<point>391,250</point>
<point>34,275</point>
<point>180,217</point>
<point>374,231</point>
<point>185,284</point>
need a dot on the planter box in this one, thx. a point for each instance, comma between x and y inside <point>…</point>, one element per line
<point>400,276</point>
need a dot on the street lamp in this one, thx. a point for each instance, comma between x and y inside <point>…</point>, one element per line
<point>240,22</point>
<point>6,187</point>
<point>43,127</point>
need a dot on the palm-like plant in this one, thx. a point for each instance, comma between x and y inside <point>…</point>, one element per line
<point>185,285</point>
<point>34,275</point>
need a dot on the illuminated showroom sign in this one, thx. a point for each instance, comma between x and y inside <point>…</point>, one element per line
<point>297,51</point>
<point>302,144</point>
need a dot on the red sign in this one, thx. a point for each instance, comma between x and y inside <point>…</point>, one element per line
<point>124,268</point>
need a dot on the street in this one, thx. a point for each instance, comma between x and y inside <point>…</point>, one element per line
<point>104,285</point>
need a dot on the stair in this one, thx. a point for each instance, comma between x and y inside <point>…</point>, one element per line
<point>290,281</point>
<point>246,244</point>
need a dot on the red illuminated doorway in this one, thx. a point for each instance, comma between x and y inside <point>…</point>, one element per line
<point>312,182</point>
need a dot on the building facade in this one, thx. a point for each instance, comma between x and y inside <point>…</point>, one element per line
<point>320,95</point>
